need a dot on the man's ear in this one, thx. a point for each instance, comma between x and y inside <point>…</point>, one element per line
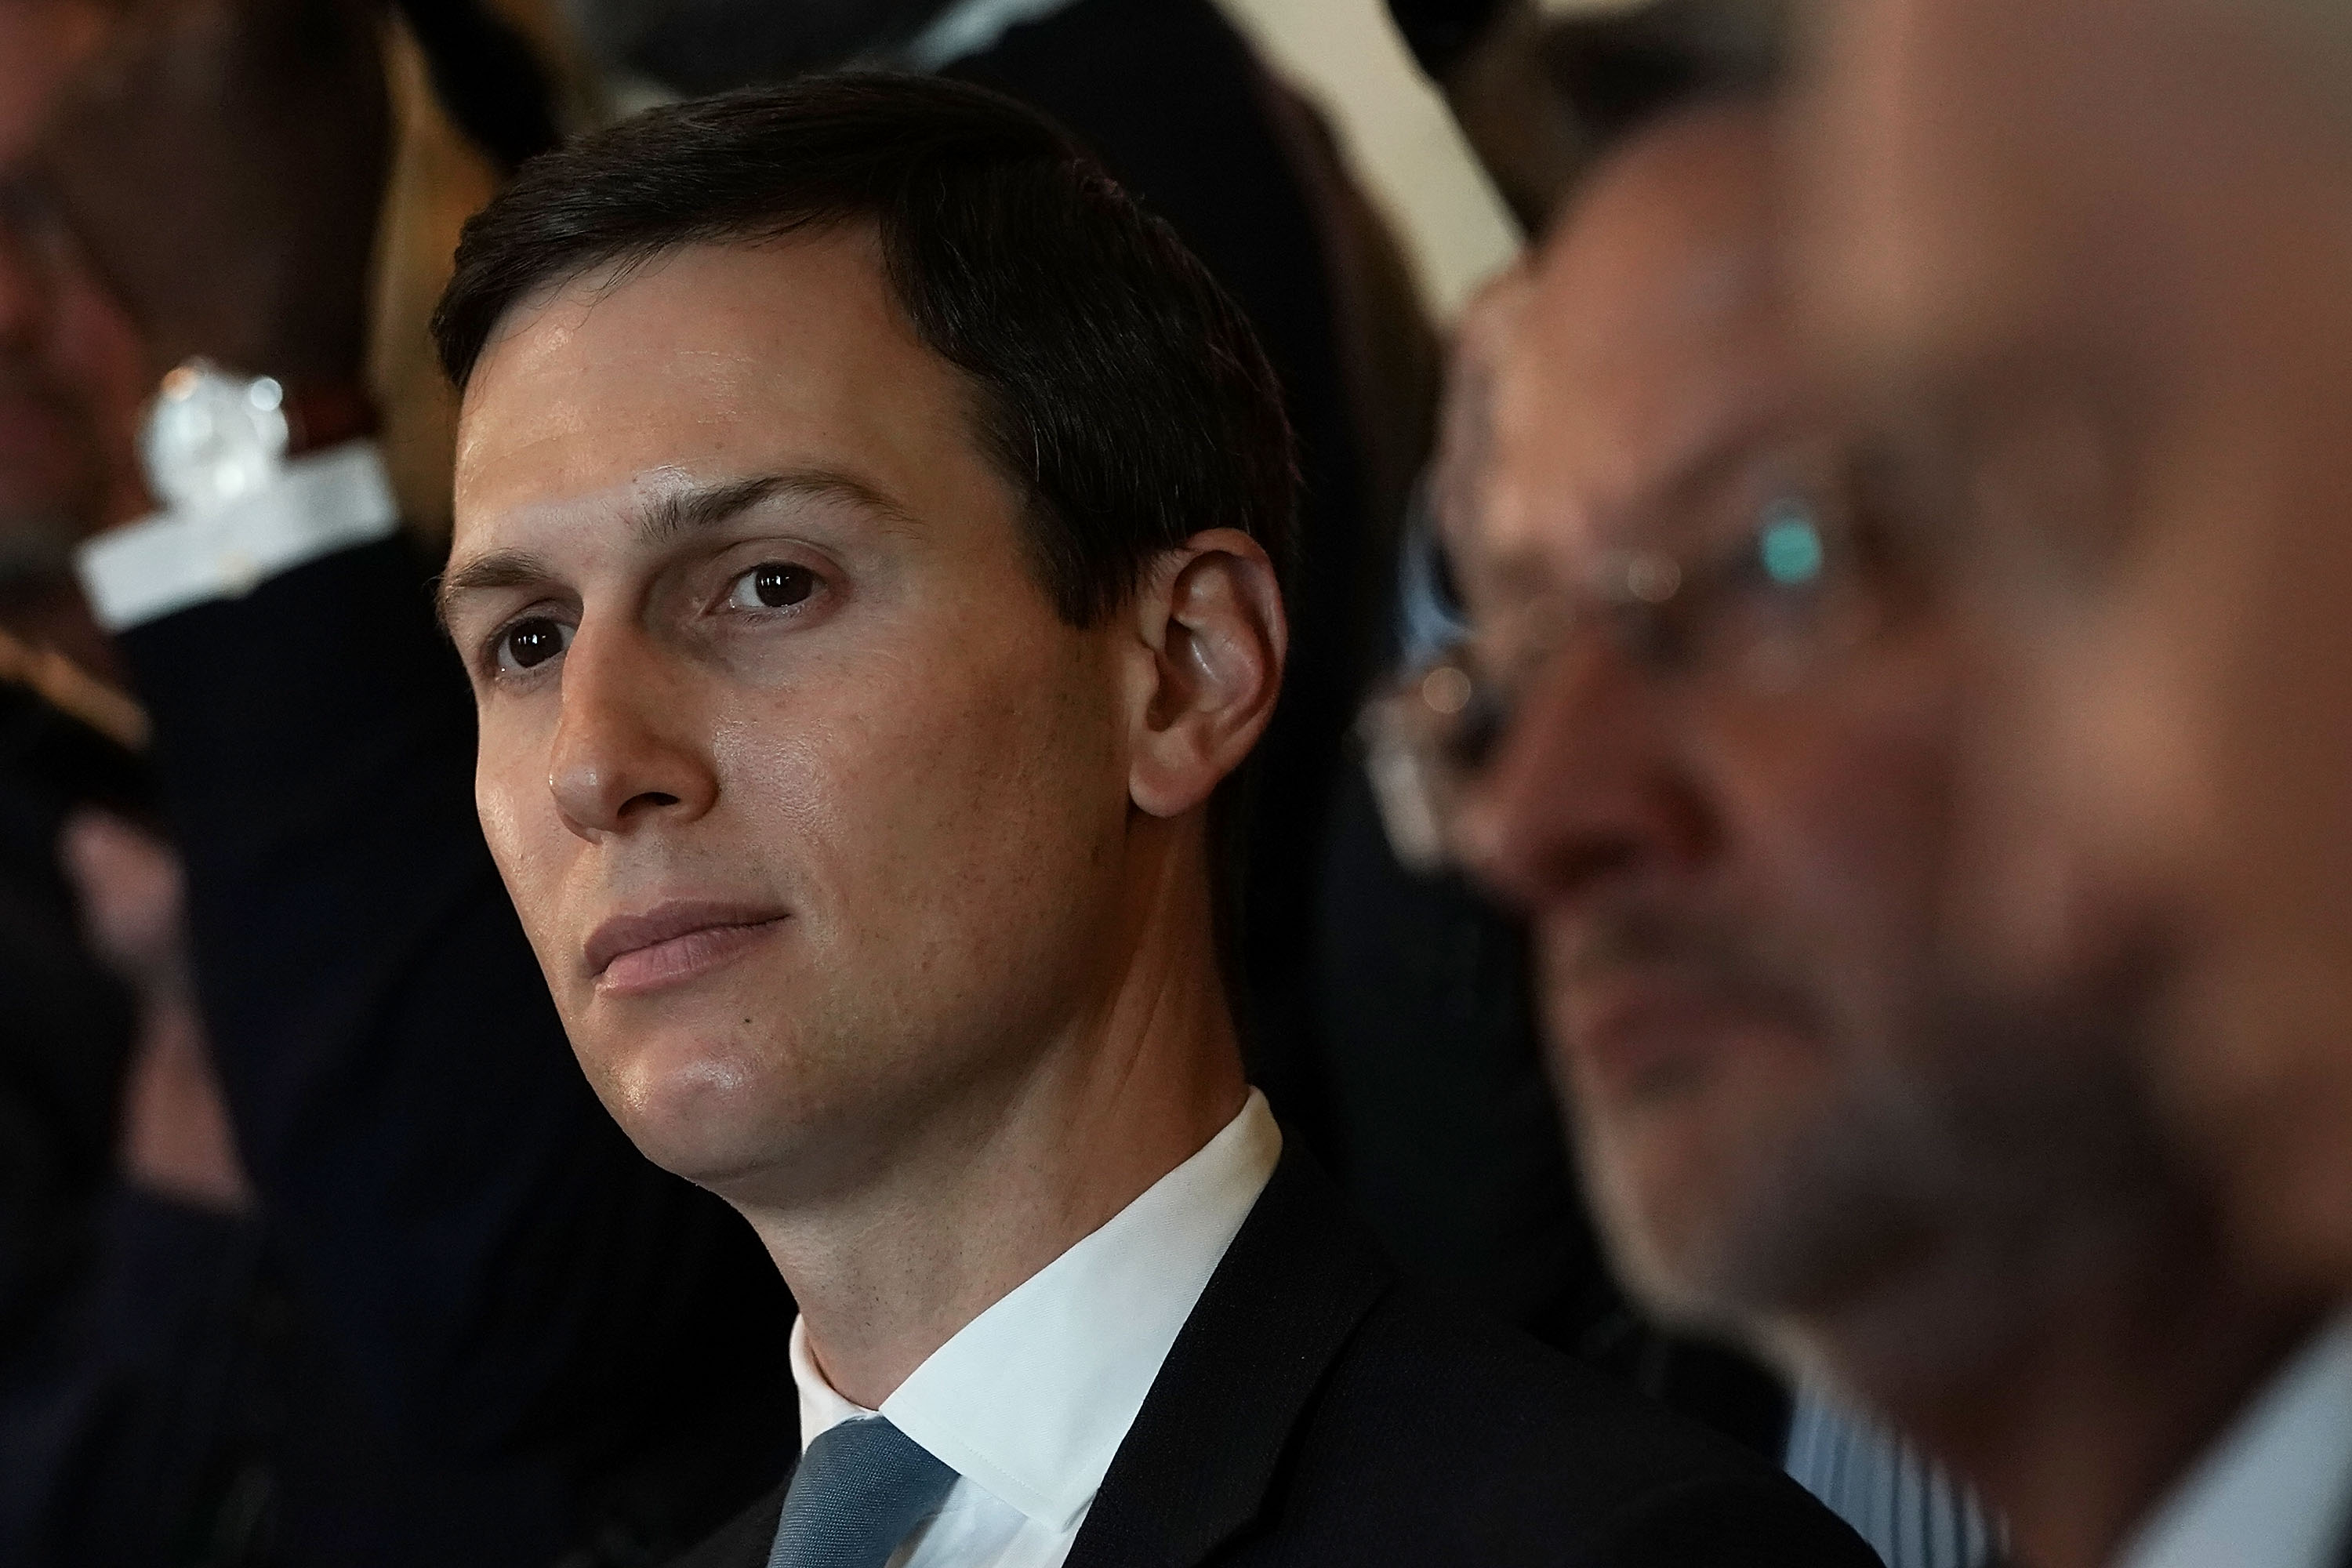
<point>1213,636</point>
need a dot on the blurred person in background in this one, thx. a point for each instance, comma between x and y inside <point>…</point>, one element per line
<point>1442,1111</point>
<point>131,1291</point>
<point>1612,80</point>
<point>2086,261</point>
<point>486,1294</point>
<point>1703,732</point>
<point>69,363</point>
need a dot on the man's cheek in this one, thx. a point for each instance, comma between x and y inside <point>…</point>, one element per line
<point>792,769</point>
<point>494,802</point>
<point>526,842</point>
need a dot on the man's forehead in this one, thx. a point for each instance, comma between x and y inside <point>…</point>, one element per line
<point>727,316</point>
<point>1603,407</point>
<point>715,364</point>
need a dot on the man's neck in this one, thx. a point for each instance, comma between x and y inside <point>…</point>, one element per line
<point>2101,1392</point>
<point>998,1183</point>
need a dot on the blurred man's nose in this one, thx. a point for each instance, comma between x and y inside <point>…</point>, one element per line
<point>627,754</point>
<point>1585,787</point>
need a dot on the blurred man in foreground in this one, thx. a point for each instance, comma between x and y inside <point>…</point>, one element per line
<point>2097,266</point>
<point>1703,735</point>
<point>2088,261</point>
<point>866,564</point>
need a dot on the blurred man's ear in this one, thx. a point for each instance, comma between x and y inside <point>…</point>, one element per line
<point>1211,639</point>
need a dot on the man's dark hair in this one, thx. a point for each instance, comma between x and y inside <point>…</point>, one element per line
<point>1117,386</point>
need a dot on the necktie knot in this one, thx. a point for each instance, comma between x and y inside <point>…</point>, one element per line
<point>861,1488</point>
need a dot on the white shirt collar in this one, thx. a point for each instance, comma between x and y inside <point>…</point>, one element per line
<point>1031,1399</point>
<point>970,29</point>
<point>2276,1491</point>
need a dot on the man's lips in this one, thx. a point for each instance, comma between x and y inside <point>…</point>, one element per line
<point>673,942</point>
<point>1639,1033</point>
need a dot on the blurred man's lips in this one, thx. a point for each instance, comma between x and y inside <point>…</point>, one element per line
<point>1639,1035</point>
<point>672,942</point>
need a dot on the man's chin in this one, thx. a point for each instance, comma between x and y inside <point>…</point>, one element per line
<point>1669,1213</point>
<point>754,1120</point>
<point>690,1107</point>
<point>1722,1216</point>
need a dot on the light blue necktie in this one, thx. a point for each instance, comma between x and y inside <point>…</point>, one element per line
<point>861,1488</point>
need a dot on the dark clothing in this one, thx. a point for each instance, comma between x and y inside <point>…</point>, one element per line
<point>128,1338</point>
<point>66,1025</point>
<point>131,1412</point>
<point>548,1343</point>
<point>1317,1410</point>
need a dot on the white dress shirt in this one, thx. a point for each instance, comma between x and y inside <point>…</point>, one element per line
<point>2276,1491</point>
<point>1911,1512</point>
<point>1029,1401</point>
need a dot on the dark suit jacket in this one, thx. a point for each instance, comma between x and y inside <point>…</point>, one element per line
<point>1317,1410</point>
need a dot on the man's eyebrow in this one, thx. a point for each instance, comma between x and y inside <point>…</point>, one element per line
<point>690,511</point>
<point>499,569</point>
<point>673,515</point>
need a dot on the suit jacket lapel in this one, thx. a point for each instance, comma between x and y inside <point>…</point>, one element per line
<point>1196,1465</point>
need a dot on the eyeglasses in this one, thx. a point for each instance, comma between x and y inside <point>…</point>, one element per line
<point>1790,584</point>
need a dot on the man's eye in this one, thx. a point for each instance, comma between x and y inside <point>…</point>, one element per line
<point>530,643</point>
<point>771,585</point>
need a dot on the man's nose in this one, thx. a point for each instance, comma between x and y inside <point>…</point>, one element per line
<point>627,751</point>
<point>1586,787</point>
